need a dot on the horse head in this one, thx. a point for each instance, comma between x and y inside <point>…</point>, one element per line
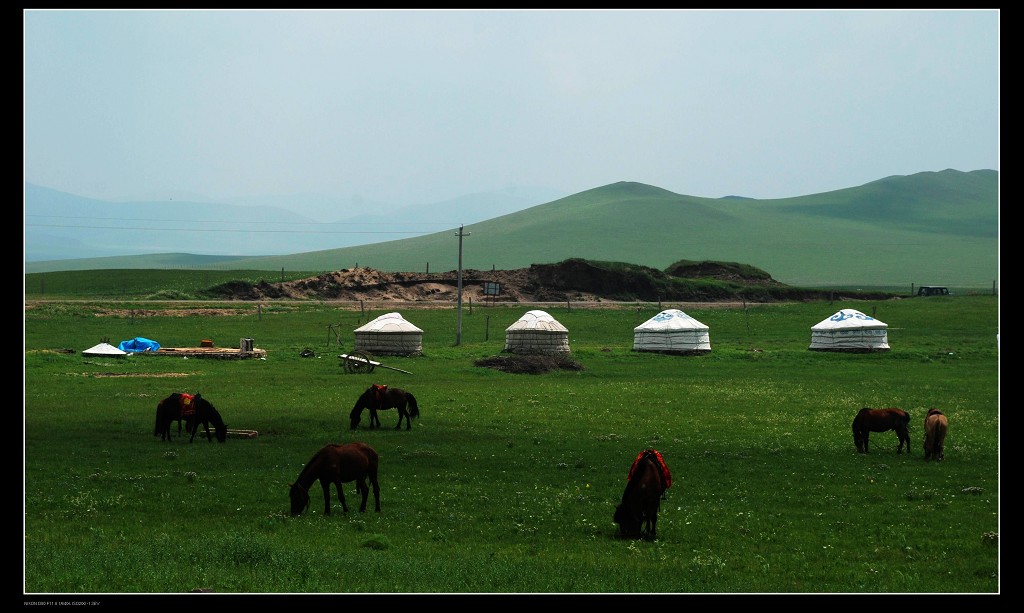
<point>221,430</point>
<point>300,499</point>
<point>355,415</point>
<point>629,523</point>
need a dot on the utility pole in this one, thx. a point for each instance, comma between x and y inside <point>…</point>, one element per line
<point>458,326</point>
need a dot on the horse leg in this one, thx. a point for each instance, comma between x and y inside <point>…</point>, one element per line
<point>376,493</point>
<point>341,495</point>
<point>195,429</point>
<point>326,486</point>
<point>364,491</point>
<point>653,518</point>
<point>164,429</point>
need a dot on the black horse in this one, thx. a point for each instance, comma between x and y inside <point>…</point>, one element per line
<point>637,514</point>
<point>337,464</point>
<point>381,397</point>
<point>881,420</point>
<point>194,410</point>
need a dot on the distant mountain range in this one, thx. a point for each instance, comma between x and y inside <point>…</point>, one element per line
<point>929,228</point>
<point>62,226</point>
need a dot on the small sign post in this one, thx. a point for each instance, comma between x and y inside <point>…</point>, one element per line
<point>492,289</point>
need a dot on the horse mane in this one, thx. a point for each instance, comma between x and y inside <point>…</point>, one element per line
<point>361,403</point>
<point>308,468</point>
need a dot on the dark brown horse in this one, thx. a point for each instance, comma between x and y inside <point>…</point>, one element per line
<point>194,410</point>
<point>881,420</point>
<point>337,464</point>
<point>935,426</point>
<point>637,514</point>
<point>381,397</point>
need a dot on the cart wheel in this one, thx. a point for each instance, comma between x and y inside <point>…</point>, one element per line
<point>360,365</point>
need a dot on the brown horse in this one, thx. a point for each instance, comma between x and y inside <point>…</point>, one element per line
<point>637,514</point>
<point>881,420</point>
<point>381,397</point>
<point>337,464</point>
<point>935,426</point>
<point>194,410</point>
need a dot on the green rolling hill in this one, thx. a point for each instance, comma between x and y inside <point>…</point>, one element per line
<point>930,228</point>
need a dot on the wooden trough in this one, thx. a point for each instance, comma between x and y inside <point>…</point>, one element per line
<point>207,350</point>
<point>222,353</point>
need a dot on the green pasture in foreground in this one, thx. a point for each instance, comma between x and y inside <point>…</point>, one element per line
<point>507,482</point>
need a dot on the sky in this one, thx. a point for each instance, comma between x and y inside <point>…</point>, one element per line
<point>417,106</point>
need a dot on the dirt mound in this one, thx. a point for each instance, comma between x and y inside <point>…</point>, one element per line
<point>529,364</point>
<point>573,280</point>
<point>369,284</point>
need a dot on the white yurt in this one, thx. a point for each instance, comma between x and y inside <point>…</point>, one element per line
<point>850,330</point>
<point>536,332</point>
<point>389,334</point>
<point>104,350</point>
<point>672,331</point>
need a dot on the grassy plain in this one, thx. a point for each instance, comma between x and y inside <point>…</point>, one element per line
<point>507,482</point>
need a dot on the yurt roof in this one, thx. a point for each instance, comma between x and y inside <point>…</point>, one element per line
<point>670,320</point>
<point>536,321</point>
<point>847,319</point>
<point>104,349</point>
<point>389,322</point>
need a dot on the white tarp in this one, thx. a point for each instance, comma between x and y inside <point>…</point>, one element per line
<point>672,331</point>
<point>537,332</point>
<point>850,330</point>
<point>105,350</point>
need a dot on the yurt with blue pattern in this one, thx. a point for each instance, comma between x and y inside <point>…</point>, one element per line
<point>672,331</point>
<point>851,331</point>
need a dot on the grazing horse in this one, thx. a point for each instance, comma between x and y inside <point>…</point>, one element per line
<point>381,397</point>
<point>337,464</point>
<point>194,410</point>
<point>935,426</point>
<point>637,514</point>
<point>881,420</point>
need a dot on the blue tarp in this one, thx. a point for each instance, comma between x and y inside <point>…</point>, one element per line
<point>139,345</point>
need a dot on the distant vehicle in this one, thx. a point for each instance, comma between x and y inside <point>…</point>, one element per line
<point>932,290</point>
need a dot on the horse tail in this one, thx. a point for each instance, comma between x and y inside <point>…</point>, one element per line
<point>414,409</point>
<point>159,415</point>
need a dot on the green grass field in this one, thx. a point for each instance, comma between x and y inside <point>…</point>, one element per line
<point>507,482</point>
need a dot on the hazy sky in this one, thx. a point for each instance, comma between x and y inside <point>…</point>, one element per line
<point>415,106</point>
